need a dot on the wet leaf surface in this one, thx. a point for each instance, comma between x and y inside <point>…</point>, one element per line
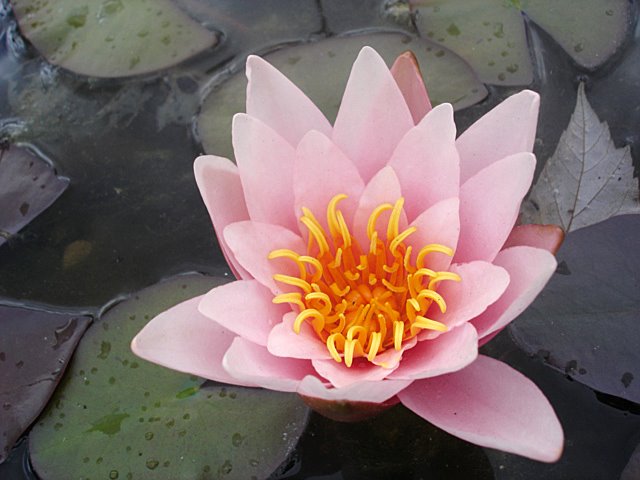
<point>490,34</point>
<point>585,322</point>
<point>111,38</point>
<point>632,469</point>
<point>117,414</point>
<point>587,180</point>
<point>28,185</point>
<point>321,70</point>
<point>35,346</point>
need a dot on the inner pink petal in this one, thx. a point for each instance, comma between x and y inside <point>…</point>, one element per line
<point>373,115</point>
<point>373,392</point>
<point>284,342</point>
<point>406,72</point>
<point>360,371</point>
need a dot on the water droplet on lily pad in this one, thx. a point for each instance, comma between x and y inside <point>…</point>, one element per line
<point>186,426</point>
<point>102,38</point>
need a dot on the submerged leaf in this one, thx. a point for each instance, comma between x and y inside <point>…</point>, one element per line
<point>28,185</point>
<point>117,416</point>
<point>35,346</point>
<point>632,470</point>
<point>111,38</point>
<point>587,180</point>
<point>585,322</point>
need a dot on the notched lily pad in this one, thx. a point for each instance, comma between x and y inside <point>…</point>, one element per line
<point>117,416</point>
<point>321,70</point>
<point>111,38</point>
<point>28,185</point>
<point>585,322</point>
<point>35,346</point>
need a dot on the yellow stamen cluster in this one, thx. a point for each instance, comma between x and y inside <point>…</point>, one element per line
<point>362,302</point>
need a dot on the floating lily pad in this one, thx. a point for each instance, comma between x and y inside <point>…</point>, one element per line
<point>585,322</point>
<point>321,70</point>
<point>111,38</point>
<point>28,185</point>
<point>632,470</point>
<point>116,416</point>
<point>35,346</point>
<point>490,34</point>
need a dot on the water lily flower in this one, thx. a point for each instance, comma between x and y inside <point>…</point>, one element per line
<point>373,256</point>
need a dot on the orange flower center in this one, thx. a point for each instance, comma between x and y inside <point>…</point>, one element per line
<point>362,302</point>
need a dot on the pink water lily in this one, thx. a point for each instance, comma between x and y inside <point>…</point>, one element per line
<point>373,256</point>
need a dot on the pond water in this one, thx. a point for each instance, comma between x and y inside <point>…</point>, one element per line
<point>125,131</point>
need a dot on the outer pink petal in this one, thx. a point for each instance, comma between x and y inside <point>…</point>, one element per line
<point>360,371</point>
<point>406,72</point>
<point>374,392</point>
<point>265,161</point>
<point>384,187</point>
<point>183,339</point>
<point>252,363</point>
<point>284,342</point>
<point>373,115</point>
<point>482,284</point>
<point>447,353</point>
<point>274,99</point>
<point>221,190</point>
<point>489,205</point>
<point>529,269</point>
<point>251,243</point>
<point>245,308</point>
<point>440,223</point>
<point>548,237</point>
<point>490,404</point>
<point>507,129</point>
<point>426,161</point>
<point>321,172</point>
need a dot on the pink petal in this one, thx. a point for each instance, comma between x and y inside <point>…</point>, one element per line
<point>490,404</point>
<point>406,72</point>
<point>489,205</point>
<point>248,362</point>
<point>507,129</point>
<point>183,339</point>
<point>251,243</point>
<point>265,161</point>
<point>384,187</point>
<point>426,161</point>
<point>529,269</point>
<point>390,358</point>
<point>245,308</point>
<point>373,115</point>
<point>373,392</point>
<point>221,190</point>
<point>547,237</point>
<point>447,353</point>
<point>360,371</point>
<point>274,99</point>
<point>284,342</point>
<point>321,172</point>
<point>440,223</point>
<point>482,284</point>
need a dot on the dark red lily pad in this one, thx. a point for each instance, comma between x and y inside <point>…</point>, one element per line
<point>35,346</point>
<point>585,322</point>
<point>28,185</point>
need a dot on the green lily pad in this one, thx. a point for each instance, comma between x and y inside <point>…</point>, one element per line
<point>321,70</point>
<point>489,34</point>
<point>590,31</point>
<point>111,38</point>
<point>116,416</point>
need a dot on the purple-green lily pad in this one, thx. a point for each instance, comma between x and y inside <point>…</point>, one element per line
<point>111,38</point>
<point>28,185</point>
<point>116,415</point>
<point>491,36</point>
<point>35,346</point>
<point>585,322</point>
<point>321,70</point>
